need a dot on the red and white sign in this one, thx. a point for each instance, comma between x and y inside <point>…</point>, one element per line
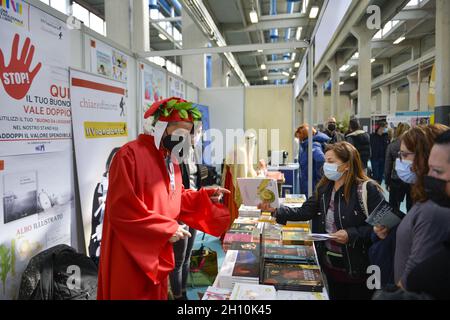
<point>35,109</point>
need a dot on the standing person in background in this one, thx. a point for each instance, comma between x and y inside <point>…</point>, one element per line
<point>427,225</point>
<point>360,140</point>
<point>396,187</point>
<point>432,276</point>
<point>332,131</point>
<point>319,139</point>
<point>182,249</point>
<point>379,141</point>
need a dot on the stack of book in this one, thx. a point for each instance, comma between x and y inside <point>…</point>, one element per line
<point>242,230</point>
<point>249,212</point>
<point>298,295</point>
<point>251,292</point>
<point>239,267</point>
<point>296,237</point>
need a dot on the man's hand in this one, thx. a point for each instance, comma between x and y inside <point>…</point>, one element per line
<point>17,77</point>
<point>265,207</point>
<point>340,237</point>
<point>381,232</point>
<point>181,233</point>
<point>217,196</point>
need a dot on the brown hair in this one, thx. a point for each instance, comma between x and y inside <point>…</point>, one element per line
<point>420,141</point>
<point>401,129</point>
<point>347,153</point>
<point>303,131</point>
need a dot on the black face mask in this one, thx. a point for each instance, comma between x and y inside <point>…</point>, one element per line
<point>332,127</point>
<point>436,191</point>
<point>175,145</point>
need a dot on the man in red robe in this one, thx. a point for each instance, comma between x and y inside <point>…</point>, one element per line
<point>145,200</point>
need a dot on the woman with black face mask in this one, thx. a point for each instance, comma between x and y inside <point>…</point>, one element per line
<point>426,227</point>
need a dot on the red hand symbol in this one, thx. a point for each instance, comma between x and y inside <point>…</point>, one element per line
<point>16,77</point>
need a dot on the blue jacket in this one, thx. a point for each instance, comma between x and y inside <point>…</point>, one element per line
<point>318,160</point>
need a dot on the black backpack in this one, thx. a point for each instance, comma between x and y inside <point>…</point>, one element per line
<point>48,276</point>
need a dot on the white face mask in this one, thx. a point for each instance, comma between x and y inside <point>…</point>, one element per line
<point>331,171</point>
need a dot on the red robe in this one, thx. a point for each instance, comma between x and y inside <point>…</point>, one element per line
<point>141,216</point>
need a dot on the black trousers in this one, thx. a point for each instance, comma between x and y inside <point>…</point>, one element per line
<point>182,251</point>
<point>398,191</point>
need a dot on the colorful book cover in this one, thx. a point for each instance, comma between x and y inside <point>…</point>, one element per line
<point>293,276</point>
<point>245,246</point>
<point>243,228</point>
<point>296,238</point>
<point>247,265</point>
<point>238,237</point>
<point>303,253</point>
<point>213,293</point>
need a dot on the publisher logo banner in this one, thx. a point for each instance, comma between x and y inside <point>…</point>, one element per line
<point>96,130</point>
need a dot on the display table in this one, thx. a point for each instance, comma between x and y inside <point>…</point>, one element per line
<point>264,266</point>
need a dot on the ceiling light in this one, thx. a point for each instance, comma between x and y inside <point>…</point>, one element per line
<point>372,60</point>
<point>265,78</point>
<point>297,64</point>
<point>254,16</point>
<point>260,51</point>
<point>298,34</point>
<point>399,40</point>
<point>293,56</point>
<point>284,73</point>
<point>263,67</point>
<point>344,68</point>
<point>341,83</point>
<point>356,55</point>
<point>163,37</point>
<point>353,74</point>
<point>314,12</point>
<point>293,77</point>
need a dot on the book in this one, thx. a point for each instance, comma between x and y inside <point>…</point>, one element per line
<point>256,191</point>
<point>250,292</point>
<point>238,237</point>
<point>242,227</point>
<point>384,215</point>
<point>296,238</point>
<point>298,295</point>
<point>213,293</point>
<point>305,254</point>
<point>293,277</point>
<point>247,220</point>
<point>249,211</point>
<point>233,272</point>
<point>245,246</point>
<point>247,265</point>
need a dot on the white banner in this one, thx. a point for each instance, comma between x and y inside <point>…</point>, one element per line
<point>36,211</point>
<point>100,125</point>
<point>35,113</point>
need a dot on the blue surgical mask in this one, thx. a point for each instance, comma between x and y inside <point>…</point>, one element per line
<point>404,171</point>
<point>331,171</point>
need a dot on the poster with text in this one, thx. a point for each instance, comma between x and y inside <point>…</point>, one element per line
<point>108,62</point>
<point>153,85</point>
<point>100,126</point>
<point>35,213</point>
<point>177,88</point>
<point>35,110</point>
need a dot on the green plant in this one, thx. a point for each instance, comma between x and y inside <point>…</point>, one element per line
<point>5,264</point>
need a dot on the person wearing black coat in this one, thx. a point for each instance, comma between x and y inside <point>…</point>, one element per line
<point>337,208</point>
<point>360,140</point>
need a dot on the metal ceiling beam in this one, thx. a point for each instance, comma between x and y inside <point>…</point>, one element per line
<point>267,52</point>
<point>267,24</point>
<point>415,14</point>
<point>237,48</point>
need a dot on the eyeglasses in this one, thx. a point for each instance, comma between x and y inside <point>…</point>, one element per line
<point>402,154</point>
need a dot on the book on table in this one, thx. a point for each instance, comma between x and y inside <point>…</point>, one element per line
<point>253,292</point>
<point>292,277</point>
<point>213,293</point>
<point>239,266</point>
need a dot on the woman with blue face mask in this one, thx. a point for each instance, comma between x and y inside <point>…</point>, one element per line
<point>337,208</point>
<point>427,224</point>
